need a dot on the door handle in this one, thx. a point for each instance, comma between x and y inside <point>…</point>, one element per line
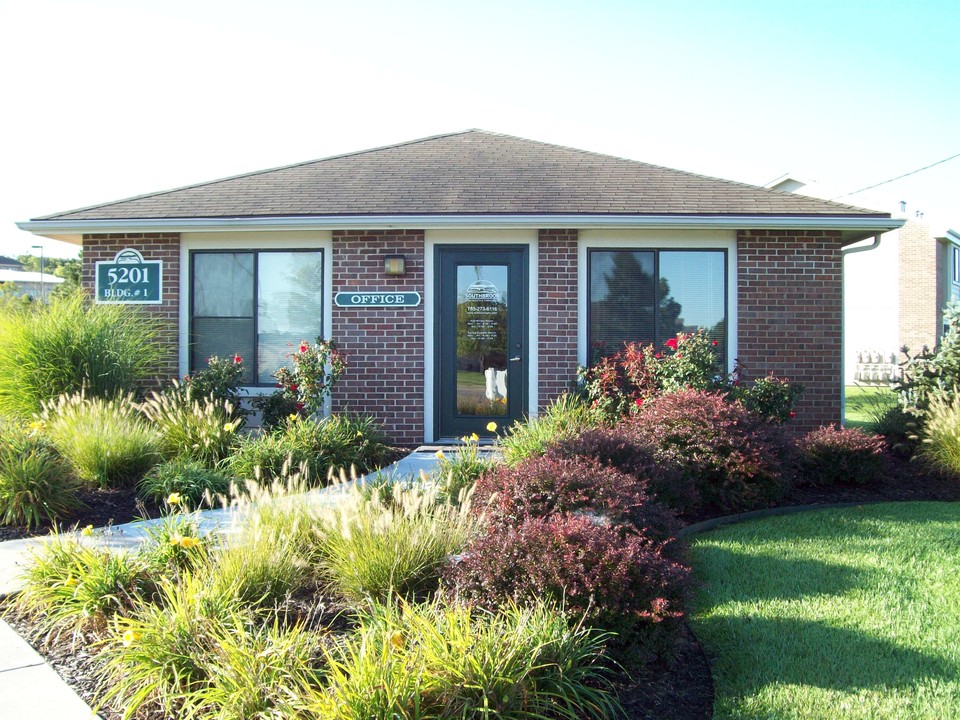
<point>515,359</point>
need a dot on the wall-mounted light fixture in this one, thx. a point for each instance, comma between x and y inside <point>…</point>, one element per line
<point>394,265</point>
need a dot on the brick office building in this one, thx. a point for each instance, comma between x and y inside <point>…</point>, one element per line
<point>465,276</point>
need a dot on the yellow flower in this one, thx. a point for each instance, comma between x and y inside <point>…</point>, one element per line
<point>475,437</point>
<point>229,427</point>
<point>440,455</point>
<point>491,426</point>
<point>176,539</point>
<point>37,426</point>
<point>130,637</point>
<point>396,639</point>
<point>174,499</point>
<point>189,542</point>
<point>70,581</point>
<point>87,531</point>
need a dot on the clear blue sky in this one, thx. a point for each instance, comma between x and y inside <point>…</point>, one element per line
<point>106,99</point>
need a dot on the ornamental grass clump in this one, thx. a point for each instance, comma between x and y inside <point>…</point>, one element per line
<point>311,448</point>
<point>437,660</point>
<point>457,473</point>
<point>940,445</point>
<point>726,458</point>
<point>72,344</point>
<point>840,456</point>
<point>394,540</point>
<point>36,486</point>
<point>201,429</point>
<point>107,442</point>
<point>563,417</point>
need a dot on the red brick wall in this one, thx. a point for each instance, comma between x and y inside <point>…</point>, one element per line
<point>557,297</point>
<point>789,305</point>
<point>153,246</point>
<point>919,307</point>
<point>383,346</point>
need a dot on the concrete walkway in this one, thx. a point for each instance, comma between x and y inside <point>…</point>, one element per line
<point>29,687</point>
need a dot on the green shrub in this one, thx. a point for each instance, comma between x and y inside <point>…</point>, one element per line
<point>196,483</point>
<point>393,541</point>
<point>769,397</point>
<point>204,430</point>
<point>312,448</point>
<point>72,345</point>
<point>220,382</point>
<point>930,375</point>
<point>564,417</point>
<point>316,369</point>
<point>71,587</point>
<point>35,484</point>
<point>940,444</point>
<point>840,456</point>
<point>106,442</point>
<point>274,409</point>
<point>436,660</point>
<point>734,460</point>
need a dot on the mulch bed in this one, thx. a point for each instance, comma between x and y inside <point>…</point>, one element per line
<point>682,690</point>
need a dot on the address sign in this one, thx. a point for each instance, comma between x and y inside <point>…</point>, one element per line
<point>129,279</point>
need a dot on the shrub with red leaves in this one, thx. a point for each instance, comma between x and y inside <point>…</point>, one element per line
<point>840,456</point>
<point>614,577</point>
<point>620,448</point>
<point>544,486</point>
<point>733,459</point>
<point>587,536</point>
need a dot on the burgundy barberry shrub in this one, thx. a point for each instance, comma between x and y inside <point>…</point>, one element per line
<point>608,573</point>
<point>620,448</point>
<point>585,535</point>
<point>840,456</point>
<point>734,459</point>
<point>545,486</point>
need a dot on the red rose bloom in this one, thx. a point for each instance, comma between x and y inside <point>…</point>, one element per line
<point>671,343</point>
<point>303,347</point>
<point>638,402</point>
<point>237,359</point>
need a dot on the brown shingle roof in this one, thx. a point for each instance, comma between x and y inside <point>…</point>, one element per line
<point>472,172</point>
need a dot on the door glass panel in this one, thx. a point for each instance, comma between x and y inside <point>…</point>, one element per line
<point>482,340</point>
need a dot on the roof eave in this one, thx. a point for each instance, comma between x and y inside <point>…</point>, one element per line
<point>853,227</point>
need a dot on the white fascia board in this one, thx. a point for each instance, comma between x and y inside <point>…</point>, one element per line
<point>49,228</point>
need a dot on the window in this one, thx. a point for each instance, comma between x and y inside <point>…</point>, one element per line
<point>648,296</point>
<point>256,304</point>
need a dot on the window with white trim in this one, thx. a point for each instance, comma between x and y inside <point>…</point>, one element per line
<point>648,296</point>
<point>254,303</point>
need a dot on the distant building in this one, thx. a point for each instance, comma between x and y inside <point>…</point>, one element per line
<point>894,293</point>
<point>8,263</point>
<point>29,283</point>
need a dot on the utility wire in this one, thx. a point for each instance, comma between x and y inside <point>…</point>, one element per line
<point>898,177</point>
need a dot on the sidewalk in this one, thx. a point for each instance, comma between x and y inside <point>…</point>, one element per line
<point>29,687</point>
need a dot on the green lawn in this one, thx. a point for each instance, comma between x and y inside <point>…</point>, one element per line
<point>848,613</point>
<point>865,402</point>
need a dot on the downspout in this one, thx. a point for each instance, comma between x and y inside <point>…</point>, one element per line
<point>843,314</point>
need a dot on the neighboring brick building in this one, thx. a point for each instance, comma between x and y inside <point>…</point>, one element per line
<point>467,275</point>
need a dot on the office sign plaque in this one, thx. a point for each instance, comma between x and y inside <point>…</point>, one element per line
<point>376,298</point>
<point>129,279</point>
